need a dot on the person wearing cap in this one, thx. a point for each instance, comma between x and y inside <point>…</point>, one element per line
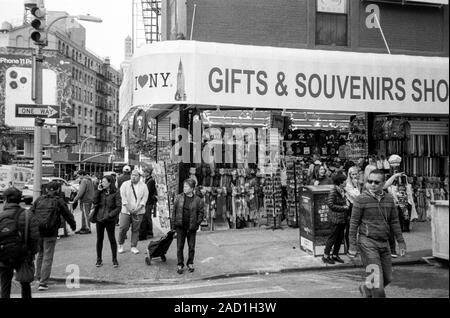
<point>85,195</point>
<point>124,177</point>
<point>134,194</point>
<point>13,197</point>
<point>47,242</point>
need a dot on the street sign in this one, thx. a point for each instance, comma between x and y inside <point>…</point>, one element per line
<point>42,111</point>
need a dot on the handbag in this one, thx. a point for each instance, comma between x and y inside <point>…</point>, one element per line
<point>93,215</point>
<point>25,272</point>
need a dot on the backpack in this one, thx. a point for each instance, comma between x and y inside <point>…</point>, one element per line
<point>13,244</point>
<point>46,212</point>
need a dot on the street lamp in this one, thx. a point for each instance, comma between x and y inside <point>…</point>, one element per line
<point>81,148</point>
<point>37,93</point>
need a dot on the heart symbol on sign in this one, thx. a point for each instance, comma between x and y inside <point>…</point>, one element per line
<point>143,80</point>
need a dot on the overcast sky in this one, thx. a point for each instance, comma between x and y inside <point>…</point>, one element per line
<point>104,39</point>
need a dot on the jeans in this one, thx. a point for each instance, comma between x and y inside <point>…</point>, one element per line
<point>335,240</point>
<point>125,221</point>
<point>110,229</point>
<point>85,209</point>
<point>377,254</point>
<point>347,237</point>
<point>44,261</point>
<point>182,235</point>
<point>6,276</point>
<point>147,223</point>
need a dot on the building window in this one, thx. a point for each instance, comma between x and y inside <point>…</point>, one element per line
<point>90,114</point>
<point>85,129</point>
<point>90,130</point>
<point>79,111</point>
<point>332,23</point>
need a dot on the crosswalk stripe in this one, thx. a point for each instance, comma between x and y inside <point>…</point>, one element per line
<point>233,293</point>
<point>141,289</point>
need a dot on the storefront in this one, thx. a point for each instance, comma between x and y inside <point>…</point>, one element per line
<point>257,118</point>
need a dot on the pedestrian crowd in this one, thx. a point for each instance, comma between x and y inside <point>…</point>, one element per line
<point>367,213</point>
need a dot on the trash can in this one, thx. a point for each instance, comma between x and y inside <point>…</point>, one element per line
<point>439,229</point>
<point>315,227</point>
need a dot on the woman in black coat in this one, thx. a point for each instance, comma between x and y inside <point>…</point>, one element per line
<point>107,205</point>
<point>187,215</point>
<point>339,209</point>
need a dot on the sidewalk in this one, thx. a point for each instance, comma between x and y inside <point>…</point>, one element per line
<point>218,254</point>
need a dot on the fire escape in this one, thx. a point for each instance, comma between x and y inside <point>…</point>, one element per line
<point>146,21</point>
<point>151,15</point>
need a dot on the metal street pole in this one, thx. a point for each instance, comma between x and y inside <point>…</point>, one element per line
<point>38,123</point>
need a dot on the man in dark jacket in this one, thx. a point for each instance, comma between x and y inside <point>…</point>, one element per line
<point>125,177</point>
<point>86,196</point>
<point>47,241</point>
<point>13,197</point>
<point>374,217</point>
<point>187,215</point>
<point>146,229</point>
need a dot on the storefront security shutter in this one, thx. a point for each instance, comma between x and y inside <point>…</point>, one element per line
<point>419,127</point>
<point>164,129</point>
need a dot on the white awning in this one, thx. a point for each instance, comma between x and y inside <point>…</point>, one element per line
<point>202,73</point>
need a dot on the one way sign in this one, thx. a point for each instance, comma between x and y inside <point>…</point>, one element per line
<point>42,111</point>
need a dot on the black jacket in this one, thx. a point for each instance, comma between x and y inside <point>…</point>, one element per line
<point>196,213</point>
<point>62,210</point>
<point>107,206</point>
<point>33,226</point>
<point>338,207</point>
<point>152,191</point>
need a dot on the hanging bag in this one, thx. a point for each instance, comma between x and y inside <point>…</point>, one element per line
<point>25,272</point>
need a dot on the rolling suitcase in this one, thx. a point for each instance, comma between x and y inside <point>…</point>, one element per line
<point>159,248</point>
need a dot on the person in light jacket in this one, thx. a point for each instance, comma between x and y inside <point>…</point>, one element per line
<point>187,215</point>
<point>107,204</point>
<point>134,195</point>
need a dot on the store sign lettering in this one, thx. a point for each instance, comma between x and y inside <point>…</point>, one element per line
<point>235,81</point>
<point>152,80</point>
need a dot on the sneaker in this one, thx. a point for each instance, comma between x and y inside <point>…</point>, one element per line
<point>121,250</point>
<point>43,287</point>
<point>337,259</point>
<point>191,268</point>
<point>87,231</point>
<point>180,269</point>
<point>394,255</point>
<point>99,263</point>
<point>134,250</point>
<point>327,260</point>
<point>115,263</point>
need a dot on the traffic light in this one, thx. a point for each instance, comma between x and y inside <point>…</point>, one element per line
<point>38,24</point>
<point>67,135</point>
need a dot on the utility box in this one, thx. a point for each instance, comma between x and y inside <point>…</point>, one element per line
<point>315,227</point>
<point>439,229</point>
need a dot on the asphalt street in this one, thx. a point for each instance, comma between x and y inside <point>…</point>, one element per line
<point>418,281</point>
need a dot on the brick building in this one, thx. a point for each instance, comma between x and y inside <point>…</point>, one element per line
<point>87,90</point>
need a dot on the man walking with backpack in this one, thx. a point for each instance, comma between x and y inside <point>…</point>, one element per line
<point>48,210</point>
<point>19,237</point>
<point>86,196</point>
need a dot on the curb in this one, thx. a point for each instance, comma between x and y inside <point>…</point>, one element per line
<point>309,269</point>
<point>89,280</point>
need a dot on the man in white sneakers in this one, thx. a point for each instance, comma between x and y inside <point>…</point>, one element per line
<point>134,195</point>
